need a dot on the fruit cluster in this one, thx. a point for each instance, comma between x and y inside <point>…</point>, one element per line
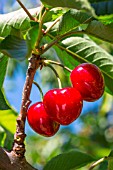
<point>63,106</point>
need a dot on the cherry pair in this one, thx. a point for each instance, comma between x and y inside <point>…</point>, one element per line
<point>59,106</point>
<point>63,106</point>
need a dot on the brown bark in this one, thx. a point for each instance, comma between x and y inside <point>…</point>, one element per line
<point>10,161</point>
<point>19,147</point>
<point>15,159</point>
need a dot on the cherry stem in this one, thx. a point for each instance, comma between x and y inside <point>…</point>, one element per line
<point>26,11</point>
<point>57,76</point>
<point>57,63</point>
<point>39,88</point>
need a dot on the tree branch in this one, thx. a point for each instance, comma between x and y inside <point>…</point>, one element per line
<point>18,146</point>
<point>8,160</point>
<point>97,163</point>
<point>15,159</point>
<point>26,11</point>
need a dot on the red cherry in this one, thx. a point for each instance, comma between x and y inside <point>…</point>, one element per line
<point>40,122</point>
<point>63,105</point>
<point>89,81</point>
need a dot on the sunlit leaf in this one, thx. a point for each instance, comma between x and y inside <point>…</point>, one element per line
<point>53,14</point>
<point>72,19</point>
<point>8,120</point>
<point>106,19</point>
<point>17,19</point>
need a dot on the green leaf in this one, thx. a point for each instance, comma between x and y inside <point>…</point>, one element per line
<point>103,165</point>
<point>81,4</point>
<point>53,14</point>
<point>31,36</point>
<point>69,160</point>
<point>72,19</point>
<point>3,67</point>
<point>111,154</point>
<point>2,136</point>
<point>110,160</point>
<point>15,47</point>
<point>106,19</point>
<point>85,50</point>
<point>9,138</point>
<point>3,102</point>
<point>8,120</point>
<point>110,165</point>
<point>99,30</point>
<point>66,59</point>
<point>17,19</point>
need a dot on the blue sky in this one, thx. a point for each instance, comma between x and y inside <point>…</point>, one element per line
<point>11,5</point>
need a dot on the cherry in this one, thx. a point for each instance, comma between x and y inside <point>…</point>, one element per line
<point>40,122</point>
<point>63,105</point>
<point>89,81</point>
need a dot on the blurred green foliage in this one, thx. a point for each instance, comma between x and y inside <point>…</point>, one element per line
<point>95,135</point>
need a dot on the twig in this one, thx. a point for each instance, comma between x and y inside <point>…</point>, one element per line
<point>74,55</point>
<point>19,147</point>
<point>27,12</point>
<point>41,11</point>
<point>55,41</point>
<point>48,29</point>
<point>41,18</point>
<point>97,163</point>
